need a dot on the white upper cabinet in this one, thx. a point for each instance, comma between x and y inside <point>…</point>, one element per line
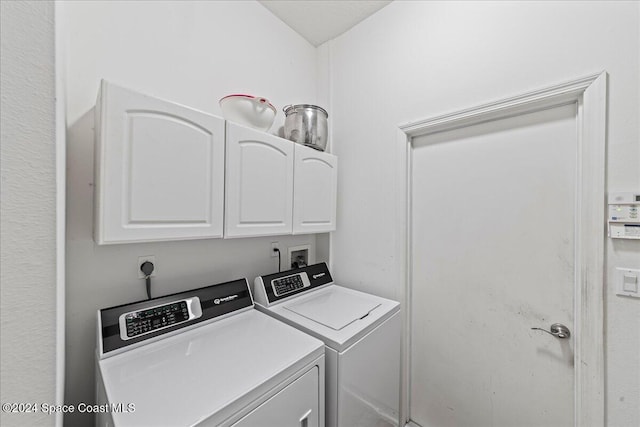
<point>159,169</point>
<point>276,187</point>
<point>315,187</point>
<point>161,173</point>
<point>259,183</point>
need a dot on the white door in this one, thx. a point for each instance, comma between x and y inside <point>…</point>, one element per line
<point>315,191</point>
<point>159,169</point>
<point>259,183</point>
<point>493,219</point>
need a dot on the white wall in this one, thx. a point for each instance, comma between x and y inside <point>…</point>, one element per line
<point>28,209</point>
<point>193,53</point>
<point>419,59</point>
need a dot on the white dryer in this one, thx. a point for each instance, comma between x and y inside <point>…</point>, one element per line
<point>206,357</point>
<point>361,333</point>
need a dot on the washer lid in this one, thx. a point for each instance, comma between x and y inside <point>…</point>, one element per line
<point>335,308</point>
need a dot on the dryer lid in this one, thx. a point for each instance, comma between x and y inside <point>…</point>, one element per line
<point>334,309</point>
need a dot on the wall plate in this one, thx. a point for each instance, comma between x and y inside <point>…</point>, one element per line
<point>151,259</point>
<point>627,282</point>
<point>293,254</point>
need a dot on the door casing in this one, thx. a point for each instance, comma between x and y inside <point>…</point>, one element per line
<point>590,95</point>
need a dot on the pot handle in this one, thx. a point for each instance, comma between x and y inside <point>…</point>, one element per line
<point>285,108</point>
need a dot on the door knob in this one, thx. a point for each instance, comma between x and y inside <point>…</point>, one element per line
<point>558,330</point>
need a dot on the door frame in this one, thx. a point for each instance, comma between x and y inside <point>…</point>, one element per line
<point>590,95</point>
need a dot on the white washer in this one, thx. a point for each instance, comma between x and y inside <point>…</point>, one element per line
<point>361,333</point>
<point>206,357</point>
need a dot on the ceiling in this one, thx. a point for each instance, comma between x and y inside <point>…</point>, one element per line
<point>321,20</point>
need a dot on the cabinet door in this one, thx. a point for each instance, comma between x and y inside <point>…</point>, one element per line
<point>159,169</point>
<point>297,405</point>
<point>259,184</point>
<point>315,191</point>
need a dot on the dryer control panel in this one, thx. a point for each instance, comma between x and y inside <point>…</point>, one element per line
<point>148,320</point>
<point>127,326</point>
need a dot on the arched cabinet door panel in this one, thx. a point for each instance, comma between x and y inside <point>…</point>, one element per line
<point>315,188</point>
<point>159,169</point>
<point>259,183</point>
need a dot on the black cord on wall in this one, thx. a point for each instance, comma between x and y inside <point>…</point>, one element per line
<point>279,260</point>
<point>147,268</point>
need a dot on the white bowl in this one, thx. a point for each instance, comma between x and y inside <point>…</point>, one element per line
<point>248,110</point>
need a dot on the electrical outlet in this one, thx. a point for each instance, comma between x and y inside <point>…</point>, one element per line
<point>142,260</point>
<point>274,253</point>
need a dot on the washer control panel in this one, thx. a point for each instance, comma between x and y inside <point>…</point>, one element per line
<point>285,285</point>
<point>136,323</point>
<point>278,287</point>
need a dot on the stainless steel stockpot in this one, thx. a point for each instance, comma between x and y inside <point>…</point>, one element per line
<point>306,124</point>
